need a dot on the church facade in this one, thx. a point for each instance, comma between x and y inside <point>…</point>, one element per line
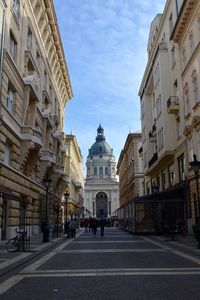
<point>101,186</point>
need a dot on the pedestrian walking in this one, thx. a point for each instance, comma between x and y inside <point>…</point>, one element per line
<point>94,227</point>
<point>102,225</point>
<point>72,227</point>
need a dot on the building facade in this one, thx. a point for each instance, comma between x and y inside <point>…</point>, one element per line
<point>164,145</point>
<point>101,195</point>
<point>74,167</point>
<point>186,36</point>
<point>35,88</point>
<point>130,169</point>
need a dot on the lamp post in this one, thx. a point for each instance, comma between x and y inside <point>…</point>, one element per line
<point>47,181</point>
<point>195,165</point>
<point>57,209</point>
<point>66,195</point>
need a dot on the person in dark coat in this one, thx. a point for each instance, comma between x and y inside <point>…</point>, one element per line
<point>102,225</point>
<point>94,226</point>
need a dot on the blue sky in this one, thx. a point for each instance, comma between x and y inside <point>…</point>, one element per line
<point>105,44</point>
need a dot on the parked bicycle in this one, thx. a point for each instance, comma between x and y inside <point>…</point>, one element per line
<point>17,242</point>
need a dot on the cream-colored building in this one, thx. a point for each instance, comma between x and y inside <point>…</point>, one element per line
<point>101,190</point>
<point>186,36</point>
<point>130,169</point>
<point>74,167</point>
<point>34,92</point>
<point>164,145</point>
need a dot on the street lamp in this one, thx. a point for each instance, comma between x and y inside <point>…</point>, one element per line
<point>195,165</point>
<point>66,195</point>
<point>57,209</point>
<point>47,181</point>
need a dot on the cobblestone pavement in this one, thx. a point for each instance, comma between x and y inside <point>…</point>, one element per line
<point>116,266</point>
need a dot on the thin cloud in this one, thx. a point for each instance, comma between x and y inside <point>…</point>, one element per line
<point>105,44</point>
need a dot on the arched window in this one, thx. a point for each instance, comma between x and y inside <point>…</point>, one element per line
<point>100,171</point>
<point>106,170</point>
<point>88,171</point>
<point>95,171</point>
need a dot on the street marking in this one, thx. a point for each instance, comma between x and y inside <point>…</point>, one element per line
<point>13,260</point>
<point>111,250</point>
<point>38,263</point>
<point>156,243</point>
<point>106,242</point>
<point>189,257</point>
<point>128,273</point>
<point>177,252</point>
<point>46,257</point>
<point>121,270</point>
<point>6,285</point>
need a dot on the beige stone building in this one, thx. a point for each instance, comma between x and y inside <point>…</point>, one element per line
<point>74,167</point>
<point>163,121</point>
<point>186,36</point>
<point>35,88</point>
<point>130,169</point>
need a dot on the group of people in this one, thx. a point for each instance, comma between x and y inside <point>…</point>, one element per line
<point>70,228</point>
<point>92,224</point>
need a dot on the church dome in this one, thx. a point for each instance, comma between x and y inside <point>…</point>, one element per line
<point>100,147</point>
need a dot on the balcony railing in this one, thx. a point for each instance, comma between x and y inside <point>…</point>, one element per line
<point>153,159</point>
<point>163,46</point>
<point>33,82</point>
<point>173,105</point>
<point>48,155</point>
<point>31,134</point>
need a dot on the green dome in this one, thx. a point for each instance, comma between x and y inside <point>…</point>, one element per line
<point>100,147</point>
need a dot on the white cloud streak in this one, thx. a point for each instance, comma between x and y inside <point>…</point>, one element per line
<point>105,44</point>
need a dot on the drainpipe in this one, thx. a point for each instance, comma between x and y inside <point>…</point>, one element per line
<point>2,28</point>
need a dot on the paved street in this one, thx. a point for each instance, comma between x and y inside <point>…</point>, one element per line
<point>116,266</point>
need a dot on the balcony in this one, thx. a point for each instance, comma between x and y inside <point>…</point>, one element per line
<point>59,169</point>
<point>48,155</point>
<point>152,137</point>
<point>31,134</point>
<point>153,159</point>
<point>47,115</point>
<point>59,135</point>
<point>32,81</point>
<point>173,105</point>
<point>77,184</point>
<point>163,46</point>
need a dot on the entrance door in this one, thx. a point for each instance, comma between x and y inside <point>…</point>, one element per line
<point>101,205</point>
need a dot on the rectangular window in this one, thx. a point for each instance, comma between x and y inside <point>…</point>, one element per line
<point>13,47</point>
<point>171,175</point>
<point>196,90</point>
<point>16,7</point>
<point>10,98</point>
<point>187,102</point>
<point>181,167</point>
<point>29,39</point>
<point>178,128</point>
<point>191,42</point>
<point>7,154</point>
<point>190,149</point>
<point>171,25</point>
<point>184,59</point>
<point>173,56</point>
<point>163,181</point>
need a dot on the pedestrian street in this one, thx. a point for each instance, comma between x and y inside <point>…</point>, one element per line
<point>118,265</point>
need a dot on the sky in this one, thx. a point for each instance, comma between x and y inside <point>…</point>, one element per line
<point>105,45</point>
